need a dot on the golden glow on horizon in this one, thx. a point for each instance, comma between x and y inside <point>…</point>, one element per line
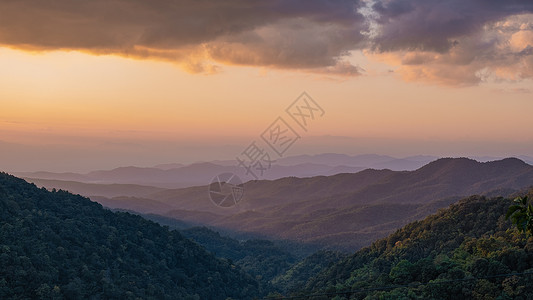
<point>72,93</point>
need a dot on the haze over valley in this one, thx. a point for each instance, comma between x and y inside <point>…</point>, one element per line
<point>344,211</point>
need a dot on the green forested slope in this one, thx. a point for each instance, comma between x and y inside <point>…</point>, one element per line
<point>458,251</point>
<point>259,258</point>
<point>56,245</point>
<point>296,277</point>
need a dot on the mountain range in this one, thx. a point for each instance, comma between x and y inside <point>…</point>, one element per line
<point>54,245</point>
<point>343,211</point>
<point>177,175</point>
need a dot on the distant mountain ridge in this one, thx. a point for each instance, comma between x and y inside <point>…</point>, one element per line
<point>177,175</point>
<point>343,211</point>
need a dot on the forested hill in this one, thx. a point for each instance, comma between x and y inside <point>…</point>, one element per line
<point>458,253</point>
<point>56,245</point>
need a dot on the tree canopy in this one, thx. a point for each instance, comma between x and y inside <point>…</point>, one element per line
<point>468,251</point>
<point>56,245</point>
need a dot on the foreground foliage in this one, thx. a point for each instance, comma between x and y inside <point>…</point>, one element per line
<point>521,213</point>
<point>468,251</point>
<point>55,245</point>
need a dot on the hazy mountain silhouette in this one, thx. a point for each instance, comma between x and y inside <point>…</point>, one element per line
<point>175,175</point>
<point>94,189</point>
<point>341,211</point>
<point>365,161</point>
<point>169,166</point>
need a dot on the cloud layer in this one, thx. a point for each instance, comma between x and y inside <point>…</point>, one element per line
<point>454,42</point>
<point>301,34</point>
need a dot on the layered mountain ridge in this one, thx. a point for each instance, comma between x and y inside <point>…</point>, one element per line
<point>342,211</point>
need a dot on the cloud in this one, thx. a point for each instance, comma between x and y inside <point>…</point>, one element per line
<point>452,42</point>
<point>455,42</point>
<point>294,34</point>
<point>438,25</point>
<point>296,44</point>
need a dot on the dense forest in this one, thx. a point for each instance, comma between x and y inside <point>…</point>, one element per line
<point>260,258</point>
<point>468,251</point>
<point>56,245</point>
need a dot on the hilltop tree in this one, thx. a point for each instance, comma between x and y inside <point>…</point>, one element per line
<point>521,214</point>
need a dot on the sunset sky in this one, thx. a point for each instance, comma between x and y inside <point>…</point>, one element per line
<point>99,84</point>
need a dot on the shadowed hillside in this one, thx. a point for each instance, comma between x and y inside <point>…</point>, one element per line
<point>57,245</point>
<point>351,210</point>
<point>344,211</point>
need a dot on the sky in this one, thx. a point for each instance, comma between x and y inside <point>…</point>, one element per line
<point>99,84</point>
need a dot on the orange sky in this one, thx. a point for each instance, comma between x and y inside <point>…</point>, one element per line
<point>122,91</point>
<point>74,98</point>
<point>66,93</point>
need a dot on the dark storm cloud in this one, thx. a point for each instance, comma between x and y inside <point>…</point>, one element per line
<point>177,29</point>
<point>450,41</point>
<point>438,25</point>
<point>455,42</point>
